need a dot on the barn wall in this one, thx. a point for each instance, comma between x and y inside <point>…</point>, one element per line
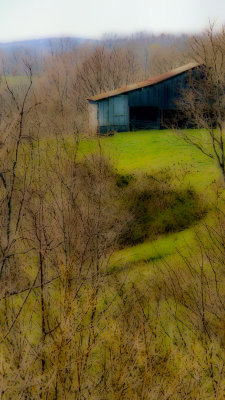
<point>113,114</point>
<point>162,95</point>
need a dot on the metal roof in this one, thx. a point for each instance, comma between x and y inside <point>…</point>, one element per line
<point>148,82</point>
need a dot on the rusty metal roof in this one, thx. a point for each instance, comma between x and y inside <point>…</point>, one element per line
<point>148,82</point>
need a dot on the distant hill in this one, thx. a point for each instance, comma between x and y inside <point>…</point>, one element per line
<point>43,45</point>
<point>13,53</point>
<point>147,39</point>
<point>69,43</point>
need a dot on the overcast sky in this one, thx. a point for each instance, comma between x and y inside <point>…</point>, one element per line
<point>23,19</point>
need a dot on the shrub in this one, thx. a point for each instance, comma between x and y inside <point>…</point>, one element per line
<point>157,207</point>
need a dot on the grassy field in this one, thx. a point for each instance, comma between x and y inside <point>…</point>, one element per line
<point>152,151</point>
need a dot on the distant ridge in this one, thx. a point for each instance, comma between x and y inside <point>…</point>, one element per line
<point>45,44</point>
<point>35,51</point>
<point>70,42</point>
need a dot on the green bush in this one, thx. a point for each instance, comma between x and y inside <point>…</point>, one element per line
<point>156,207</point>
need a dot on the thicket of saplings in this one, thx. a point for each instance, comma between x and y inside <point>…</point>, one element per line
<point>72,327</point>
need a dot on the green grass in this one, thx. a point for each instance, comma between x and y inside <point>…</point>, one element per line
<point>149,151</point>
<point>148,251</point>
<point>16,81</point>
<point>154,150</point>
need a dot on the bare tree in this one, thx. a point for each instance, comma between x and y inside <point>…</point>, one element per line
<point>203,104</point>
<point>193,291</point>
<point>104,69</point>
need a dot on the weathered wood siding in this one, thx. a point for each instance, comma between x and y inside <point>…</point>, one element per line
<point>163,95</point>
<point>113,114</point>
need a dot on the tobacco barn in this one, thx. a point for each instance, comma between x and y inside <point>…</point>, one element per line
<point>151,104</point>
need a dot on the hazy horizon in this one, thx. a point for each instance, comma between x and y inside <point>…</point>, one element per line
<point>24,20</point>
<point>106,35</point>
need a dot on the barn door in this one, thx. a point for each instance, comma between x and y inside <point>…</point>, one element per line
<point>120,110</point>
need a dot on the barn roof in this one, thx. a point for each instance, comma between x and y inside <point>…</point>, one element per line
<point>148,82</point>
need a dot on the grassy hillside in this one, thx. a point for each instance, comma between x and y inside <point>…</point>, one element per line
<point>155,150</point>
<point>118,293</point>
<point>175,271</point>
<point>152,151</point>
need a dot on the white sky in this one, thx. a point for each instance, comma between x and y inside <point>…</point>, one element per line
<point>23,19</point>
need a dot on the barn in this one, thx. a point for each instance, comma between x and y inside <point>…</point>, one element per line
<point>151,104</point>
